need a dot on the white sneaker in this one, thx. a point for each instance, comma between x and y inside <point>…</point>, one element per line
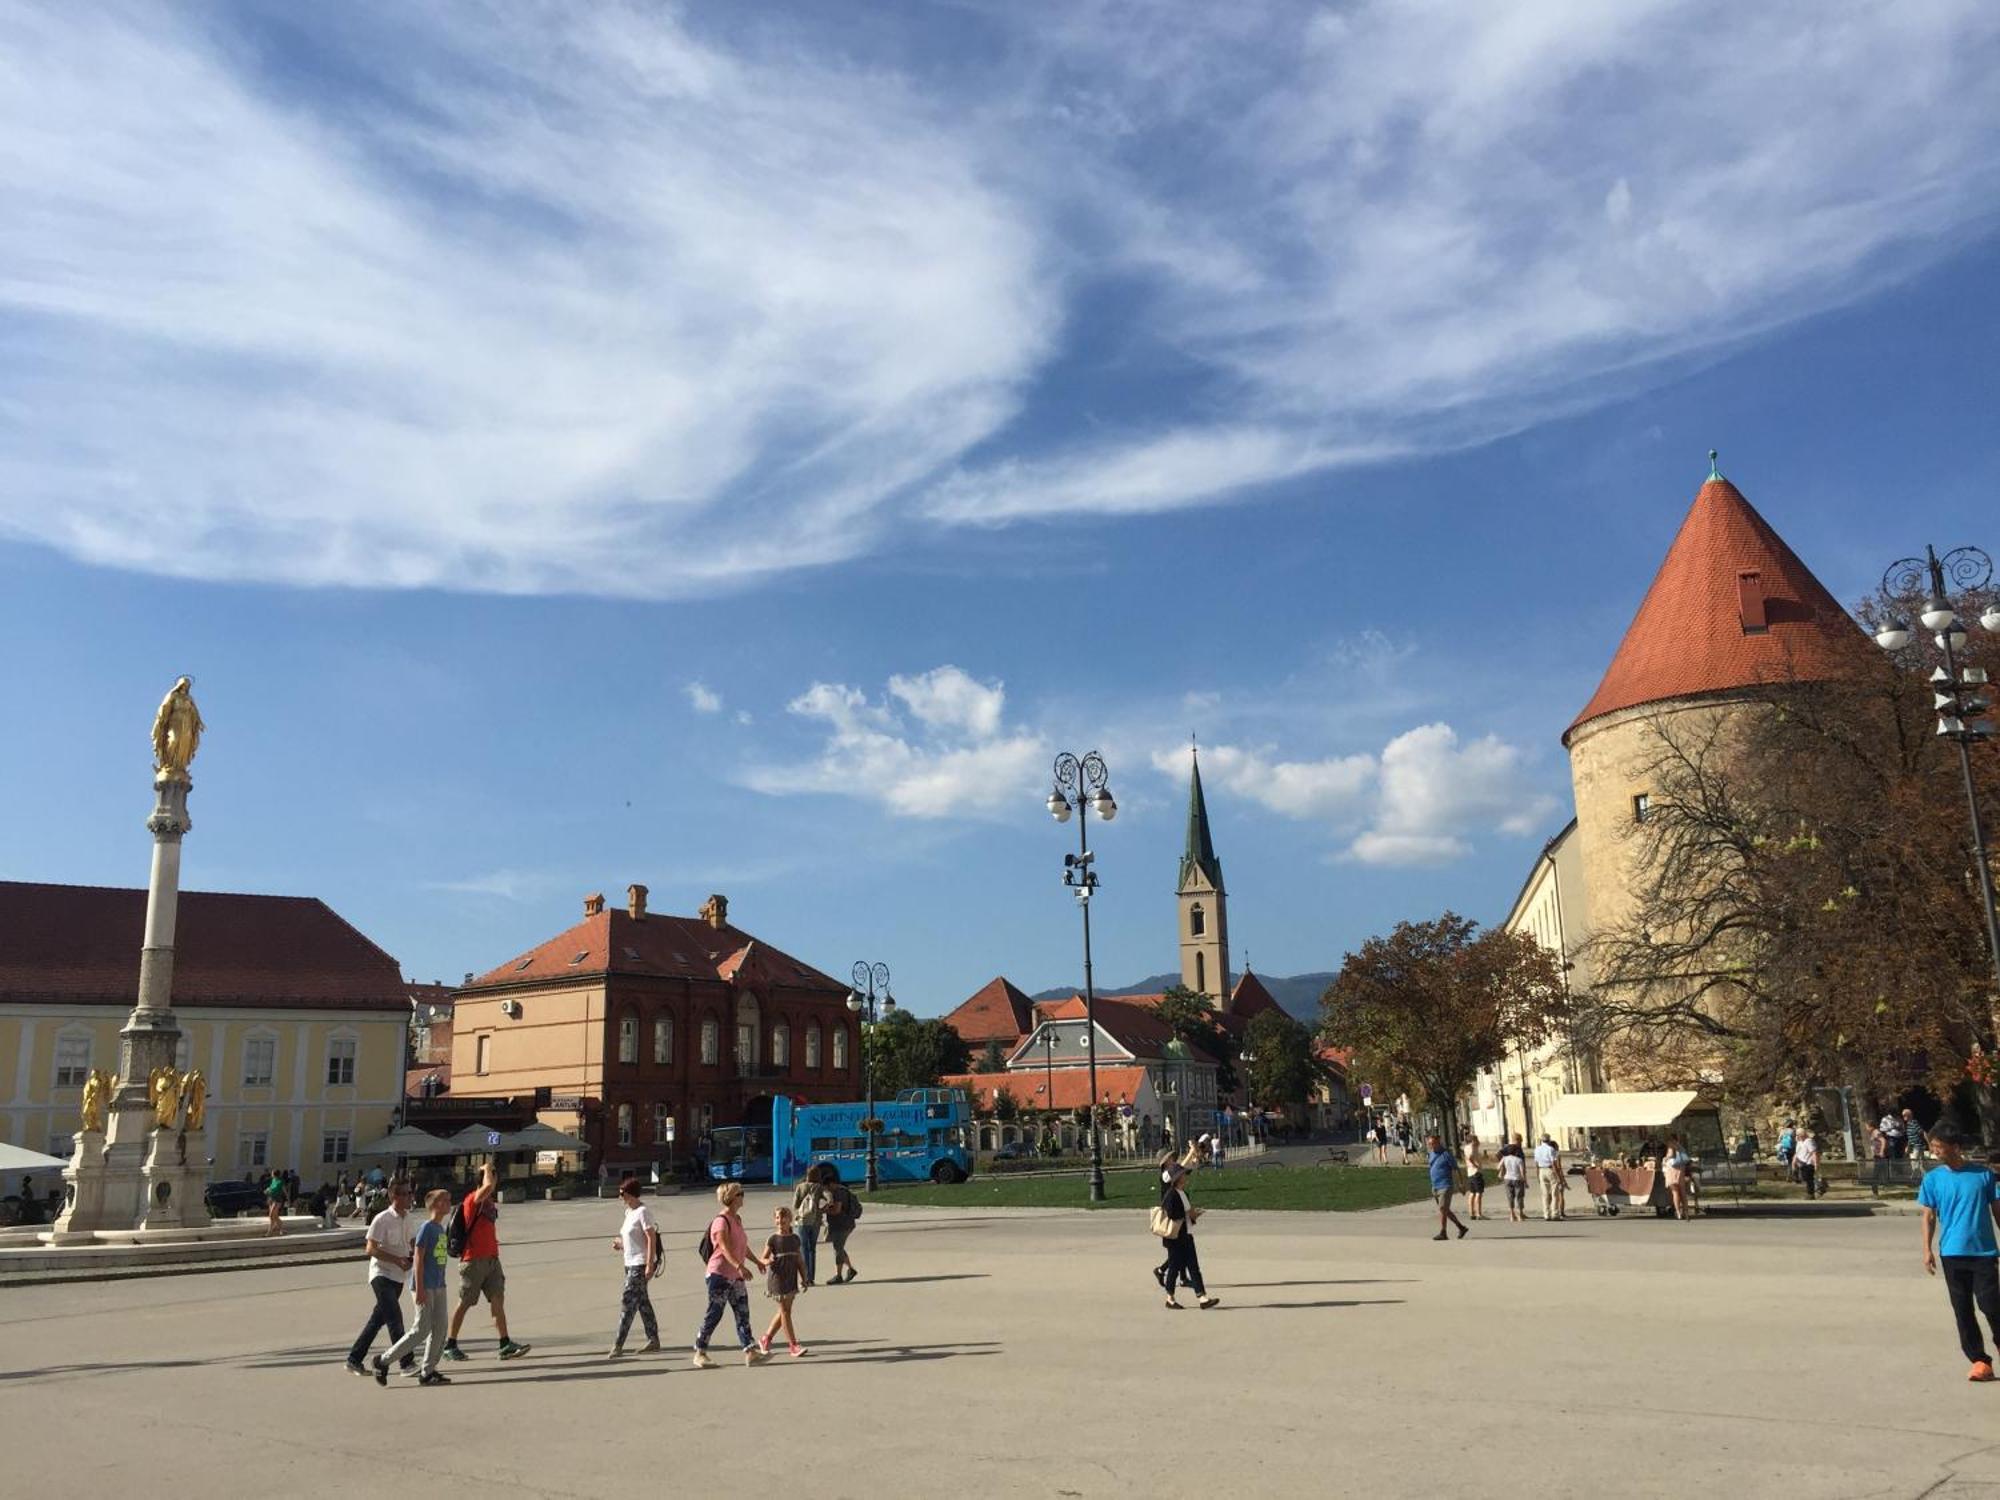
<point>753,1355</point>
<point>702,1361</point>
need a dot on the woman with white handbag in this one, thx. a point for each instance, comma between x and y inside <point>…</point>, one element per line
<point>1173,1221</point>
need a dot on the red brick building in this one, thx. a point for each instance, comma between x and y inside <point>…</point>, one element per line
<point>638,1030</point>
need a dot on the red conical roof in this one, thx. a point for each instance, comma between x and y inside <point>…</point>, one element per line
<point>1731,607</point>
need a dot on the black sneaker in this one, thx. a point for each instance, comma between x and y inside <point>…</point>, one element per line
<point>431,1377</point>
<point>381,1371</point>
<point>452,1351</point>
<point>353,1367</point>
<point>1160,1275</point>
<point>511,1350</point>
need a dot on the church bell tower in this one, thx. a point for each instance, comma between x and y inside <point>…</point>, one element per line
<point>1204,905</point>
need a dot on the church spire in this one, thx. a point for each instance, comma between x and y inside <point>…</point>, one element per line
<point>1200,853</point>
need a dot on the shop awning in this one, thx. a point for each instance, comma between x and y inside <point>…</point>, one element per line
<point>1607,1111</point>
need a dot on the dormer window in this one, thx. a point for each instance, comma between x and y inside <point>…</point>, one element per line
<point>1642,806</point>
<point>1750,603</point>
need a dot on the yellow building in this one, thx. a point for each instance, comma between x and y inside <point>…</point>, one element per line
<point>298,1021</point>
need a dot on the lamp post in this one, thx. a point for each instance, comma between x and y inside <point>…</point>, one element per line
<point>1959,696</point>
<point>1049,1063</point>
<point>861,1001</point>
<point>1080,785</point>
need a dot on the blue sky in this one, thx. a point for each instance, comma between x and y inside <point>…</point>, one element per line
<point>735,450</point>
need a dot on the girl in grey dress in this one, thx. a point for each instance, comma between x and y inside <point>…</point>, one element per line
<point>784,1279</point>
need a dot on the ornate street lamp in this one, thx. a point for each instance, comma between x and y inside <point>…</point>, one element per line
<point>1959,695</point>
<point>861,1001</point>
<point>1082,784</point>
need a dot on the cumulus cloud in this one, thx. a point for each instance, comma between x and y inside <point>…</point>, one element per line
<point>703,699</point>
<point>1421,801</point>
<point>934,746</point>
<point>656,300</point>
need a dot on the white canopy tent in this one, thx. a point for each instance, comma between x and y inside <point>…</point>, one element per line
<point>541,1137</point>
<point>21,1159</point>
<point>1611,1111</point>
<point>407,1140</point>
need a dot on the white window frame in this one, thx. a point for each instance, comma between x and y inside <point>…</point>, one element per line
<point>662,1113</point>
<point>711,1042</point>
<point>663,1040</point>
<point>812,1044</point>
<point>781,1045</point>
<point>840,1049</point>
<point>252,1042</point>
<point>628,1038</point>
<point>334,1057</point>
<point>69,1072</point>
<point>253,1149</point>
<point>624,1124</point>
<point>62,1145</point>
<point>335,1147</point>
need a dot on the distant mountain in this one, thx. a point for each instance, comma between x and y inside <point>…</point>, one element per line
<point>1298,993</point>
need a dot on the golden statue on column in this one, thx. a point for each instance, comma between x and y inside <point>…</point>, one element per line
<point>96,1094</point>
<point>164,1088</point>
<point>177,731</point>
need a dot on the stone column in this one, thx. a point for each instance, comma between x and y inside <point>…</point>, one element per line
<point>134,1161</point>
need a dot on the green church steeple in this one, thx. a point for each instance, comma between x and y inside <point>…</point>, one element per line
<point>1200,853</point>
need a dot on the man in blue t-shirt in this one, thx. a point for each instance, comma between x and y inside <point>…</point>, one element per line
<point>1444,1168</point>
<point>1960,1201</point>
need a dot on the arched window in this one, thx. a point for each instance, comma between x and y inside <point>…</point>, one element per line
<point>711,1041</point>
<point>749,1030</point>
<point>1197,920</point>
<point>1201,973</point>
<point>840,1049</point>
<point>781,1045</point>
<point>624,1124</point>
<point>628,1039</point>
<point>663,1039</point>
<point>812,1044</point>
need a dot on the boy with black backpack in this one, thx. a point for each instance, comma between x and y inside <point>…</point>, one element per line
<point>474,1231</point>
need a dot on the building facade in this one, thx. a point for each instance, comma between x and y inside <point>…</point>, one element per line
<point>639,1030</point>
<point>296,1019</point>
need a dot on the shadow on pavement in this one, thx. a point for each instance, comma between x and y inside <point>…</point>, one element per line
<point>1288,1306</point>
<point>912,1280</point>
<point>1244,1286</point>
<point>56,1372</point>
<point>1787,1211</point>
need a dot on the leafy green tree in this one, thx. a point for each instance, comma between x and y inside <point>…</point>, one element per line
<point>1428,1006</point>
<point>1279,1059</point>
<point>905,1053</point>
<point>993,1059</point>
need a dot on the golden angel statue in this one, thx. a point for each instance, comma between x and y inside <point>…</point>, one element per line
<point>194,1099</point>
<point>177,731</point>
<point>96,1094</point>
<point>163,1087</point>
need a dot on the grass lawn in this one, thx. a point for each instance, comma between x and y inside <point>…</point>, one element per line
<point>1324,1188</point>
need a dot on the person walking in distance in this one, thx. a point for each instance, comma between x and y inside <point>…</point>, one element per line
<point>784,1279</point>
<point>1183,1262</point>
<point>728,1269</point>
<point>1548,1170</point>
<point>841,1209</point>
<point>1805,1161</point>
<point>1475,1179</point>
<point>427,1291</point>
<point>1444,1171</point>
<point>639,1238</point>
<point>808,1209</point>
<point>274,1207</point>
<point>1913,1135</point>
<point>479,1271</point>
<point>1960,1200</point>
<point>389,1254</point>
<point>1514,1177</point>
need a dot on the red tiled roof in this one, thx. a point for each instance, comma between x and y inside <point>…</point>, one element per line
<point>1129,1020</point>
<point>997,1011</point>
<point>1250,999</point>
<point>616,942</point>
<point>1690,637</point>
<point>80,944</point>
<point>1072,1086</point>
<point>414,1079</point>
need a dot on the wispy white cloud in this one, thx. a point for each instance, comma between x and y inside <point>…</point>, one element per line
<point>640,302</point>
<point>1422,800</point>
<point>934,746</point>
<point>703,699</point>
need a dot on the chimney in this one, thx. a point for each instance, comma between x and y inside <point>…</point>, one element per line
<point>715,911</point>
<point>635,902</point>
<point>593,904</point>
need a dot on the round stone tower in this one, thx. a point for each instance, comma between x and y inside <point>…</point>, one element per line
<point>1732,611</point>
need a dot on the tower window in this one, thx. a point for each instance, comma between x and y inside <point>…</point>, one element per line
<point>1642,806</point>
<point>1201,973</point>
<point>1197,920</point>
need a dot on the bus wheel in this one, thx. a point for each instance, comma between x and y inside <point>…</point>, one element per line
<point>946,1173</point>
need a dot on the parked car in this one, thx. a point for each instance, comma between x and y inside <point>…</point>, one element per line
<point>226,1200</point>
<point>1013,1151</point>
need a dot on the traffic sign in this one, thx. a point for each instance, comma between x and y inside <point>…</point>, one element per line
<point>492,1137</point>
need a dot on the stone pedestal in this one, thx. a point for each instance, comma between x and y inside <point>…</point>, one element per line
<point>83,1190</point>
<point>172,1188</point>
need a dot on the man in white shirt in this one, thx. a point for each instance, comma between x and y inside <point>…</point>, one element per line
<point>390,1236</point>
<point>1548,1167</point>
<point>1805,1161</point>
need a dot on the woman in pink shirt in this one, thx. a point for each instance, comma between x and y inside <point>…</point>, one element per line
<point>729,1262</point>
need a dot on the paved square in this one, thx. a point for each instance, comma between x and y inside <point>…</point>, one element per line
<point>1026,1353</point>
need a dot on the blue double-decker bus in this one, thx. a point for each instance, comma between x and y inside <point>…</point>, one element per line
<point>925,1136</point>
